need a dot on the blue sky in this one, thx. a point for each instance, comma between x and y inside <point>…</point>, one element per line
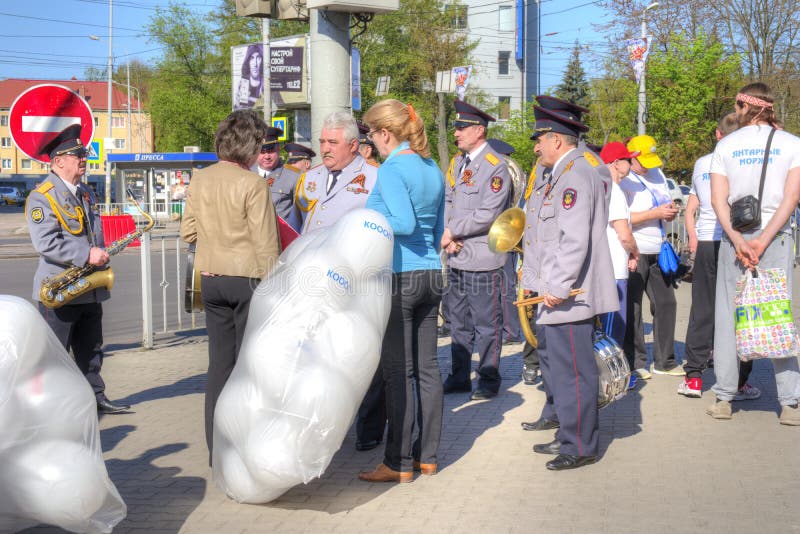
<point>50,39</point>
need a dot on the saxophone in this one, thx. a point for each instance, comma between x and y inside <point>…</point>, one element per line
<point>71,283</point>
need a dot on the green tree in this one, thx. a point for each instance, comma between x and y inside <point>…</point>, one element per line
<point>574,86</point>
<point>517,131</point>
<point>688,88</point>
<point>614,105</point>
<point>410,46</point>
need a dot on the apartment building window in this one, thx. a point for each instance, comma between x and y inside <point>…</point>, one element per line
<point>503,108</point>
<point>7,163</point>
<point>505,22</point>
<point>94,166</point>
<point>118,122</point>
<point>457,13</point>
<point>96,122</point>
<point>25,165</point>
<point>3,120</point>
<point>502,63</point>
<point>119,143</point>
<point>6,142</point>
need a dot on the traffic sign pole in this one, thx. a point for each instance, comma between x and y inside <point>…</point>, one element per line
<point>39,114</point>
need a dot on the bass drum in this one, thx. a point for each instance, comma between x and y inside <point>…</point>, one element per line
<point>613,368</point>
<point>191,290</point>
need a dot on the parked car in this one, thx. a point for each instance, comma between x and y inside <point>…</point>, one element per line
<point>675,193</point>
<point>11,196</point>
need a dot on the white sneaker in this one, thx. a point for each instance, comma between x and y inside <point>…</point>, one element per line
<point>747,392</point>
<point>644,374</point>
<point>675,371</point>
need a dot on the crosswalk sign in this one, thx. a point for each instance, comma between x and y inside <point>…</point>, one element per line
<point>280,122</point>
<point>95,151</point>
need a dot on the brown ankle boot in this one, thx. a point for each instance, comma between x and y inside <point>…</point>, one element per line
<point>383,473</point>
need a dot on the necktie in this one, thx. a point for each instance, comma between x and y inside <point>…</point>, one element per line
<point>464,165</point>
<point>332,177</point>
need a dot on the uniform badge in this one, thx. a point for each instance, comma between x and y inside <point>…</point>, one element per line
<point>569,198</point>
<point>466,178</point>
<point>37,215</point>
<point>86,197</point>
<point>497,184</point>
<point>359,180</point>
<point>270,181</point>
<point>311,186</point>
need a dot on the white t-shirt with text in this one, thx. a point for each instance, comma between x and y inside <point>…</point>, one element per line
<point>706,224</point>
<point>740,156</point>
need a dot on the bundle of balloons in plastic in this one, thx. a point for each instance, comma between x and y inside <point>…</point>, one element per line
<point>311,345</point>
<point>51,464</point>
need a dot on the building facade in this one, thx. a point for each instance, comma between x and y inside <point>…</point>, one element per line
<point>505,62</point>
<point>131,129</point>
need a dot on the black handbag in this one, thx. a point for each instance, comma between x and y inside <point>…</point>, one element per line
<point>746,212</point>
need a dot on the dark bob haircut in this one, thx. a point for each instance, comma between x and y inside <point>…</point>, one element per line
<point>240,136</point>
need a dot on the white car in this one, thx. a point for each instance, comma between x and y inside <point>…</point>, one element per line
<point>11,196</point>
<point>675,192</point>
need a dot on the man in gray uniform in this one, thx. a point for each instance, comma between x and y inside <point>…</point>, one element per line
<point>477,191</point>
<point>341,183</point>
<point>280,178</point>
<point>299,156</point>
<point>566,248</point>
<point>66,231</point>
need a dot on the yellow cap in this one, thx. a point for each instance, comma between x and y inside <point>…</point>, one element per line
<point>646,146</point>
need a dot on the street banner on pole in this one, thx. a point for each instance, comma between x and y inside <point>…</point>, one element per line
<point>638,50</point>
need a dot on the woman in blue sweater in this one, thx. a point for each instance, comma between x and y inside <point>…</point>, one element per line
<point>410,194</point>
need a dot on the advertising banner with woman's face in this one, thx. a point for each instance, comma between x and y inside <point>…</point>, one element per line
<point>288,73</point>
<point>247,62</point>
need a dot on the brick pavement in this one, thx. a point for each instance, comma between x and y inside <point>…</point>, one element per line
<point>666,466</point>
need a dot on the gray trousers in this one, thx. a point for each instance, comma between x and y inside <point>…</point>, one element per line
<point>779,254</point>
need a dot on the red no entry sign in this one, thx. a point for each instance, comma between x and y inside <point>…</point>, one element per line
<point>41,112</point>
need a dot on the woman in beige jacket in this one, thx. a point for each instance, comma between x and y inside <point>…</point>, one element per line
<point>230,217</point>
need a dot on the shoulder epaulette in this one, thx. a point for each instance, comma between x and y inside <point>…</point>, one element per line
<point>531,181</point>
<point>491,158</point>
<point>291,167</point>
<point>373,163</point>
<point>315,166</point>
<point>44,188</point>
<point>588,156</point>
<point>450,172</point>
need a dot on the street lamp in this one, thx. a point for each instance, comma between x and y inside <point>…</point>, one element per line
<point>642,95</point>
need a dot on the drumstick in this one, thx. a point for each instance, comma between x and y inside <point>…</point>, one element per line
<point>537,300</point>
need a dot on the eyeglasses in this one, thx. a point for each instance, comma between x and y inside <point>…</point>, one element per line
<point>79,153</point>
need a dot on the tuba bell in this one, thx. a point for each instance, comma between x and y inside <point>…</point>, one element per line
<point>504,236</point>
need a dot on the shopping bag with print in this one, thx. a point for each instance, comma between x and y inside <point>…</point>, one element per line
<point>763,316</point>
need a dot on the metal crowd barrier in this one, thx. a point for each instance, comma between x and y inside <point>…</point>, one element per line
<point>164,308</point>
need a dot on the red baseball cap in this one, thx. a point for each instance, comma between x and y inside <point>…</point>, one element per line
<point>611,152</point>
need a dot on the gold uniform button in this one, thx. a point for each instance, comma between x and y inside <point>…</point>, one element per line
<point>323,207</point>
<point>527,242</point>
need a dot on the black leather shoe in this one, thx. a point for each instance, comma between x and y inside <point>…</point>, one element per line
<point>541,424</point>
<point>554,447</point>
<point>367,445</point>
<point>568,461</point>
<point>451,386</point>
<point>105,406</point>
<point>482,394</point>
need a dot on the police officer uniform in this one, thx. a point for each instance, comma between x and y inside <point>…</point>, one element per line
<point>281,181</point>
<point>351,187</point>
<point>64,226</point>
<point>296,152</point>
<point>365,141</point>
<point>477,191</point>
<point>566,248</point>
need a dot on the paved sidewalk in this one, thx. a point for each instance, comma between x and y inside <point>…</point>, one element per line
<point>666,466</point>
